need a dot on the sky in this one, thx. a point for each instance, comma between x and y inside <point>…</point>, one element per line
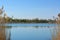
<point>28,9</point>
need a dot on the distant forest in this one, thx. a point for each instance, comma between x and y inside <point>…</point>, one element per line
<point>10,20</point>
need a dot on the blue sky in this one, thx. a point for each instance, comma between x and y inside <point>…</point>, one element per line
<point>42,9</point>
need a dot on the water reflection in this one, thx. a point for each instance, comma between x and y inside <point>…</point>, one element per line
<point>4,33</point>
<point>58,32</point>
<point>30,33</point>
<point>26,33</point>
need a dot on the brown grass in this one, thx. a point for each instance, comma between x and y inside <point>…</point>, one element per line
<point>58,36</point>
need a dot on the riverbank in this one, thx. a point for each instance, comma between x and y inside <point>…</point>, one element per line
<point>10,20</point>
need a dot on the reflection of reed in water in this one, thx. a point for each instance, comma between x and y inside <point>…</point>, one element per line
<point>58,32</point>
<point>9,34</point>
<point>4,33</point>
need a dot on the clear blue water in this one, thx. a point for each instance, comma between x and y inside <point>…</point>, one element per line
<point>23,31</point>
<point>31,24</point>
<point>30,33</point>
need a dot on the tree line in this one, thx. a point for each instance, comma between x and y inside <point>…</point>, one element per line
<point>10,20</point>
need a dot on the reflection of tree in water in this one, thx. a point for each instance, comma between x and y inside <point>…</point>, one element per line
<point>36,26</point>
<point>4,33</point>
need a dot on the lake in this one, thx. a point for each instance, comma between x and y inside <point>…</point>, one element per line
<point>31,31</point>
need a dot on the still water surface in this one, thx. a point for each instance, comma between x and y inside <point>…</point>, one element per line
<point>29,31</point>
